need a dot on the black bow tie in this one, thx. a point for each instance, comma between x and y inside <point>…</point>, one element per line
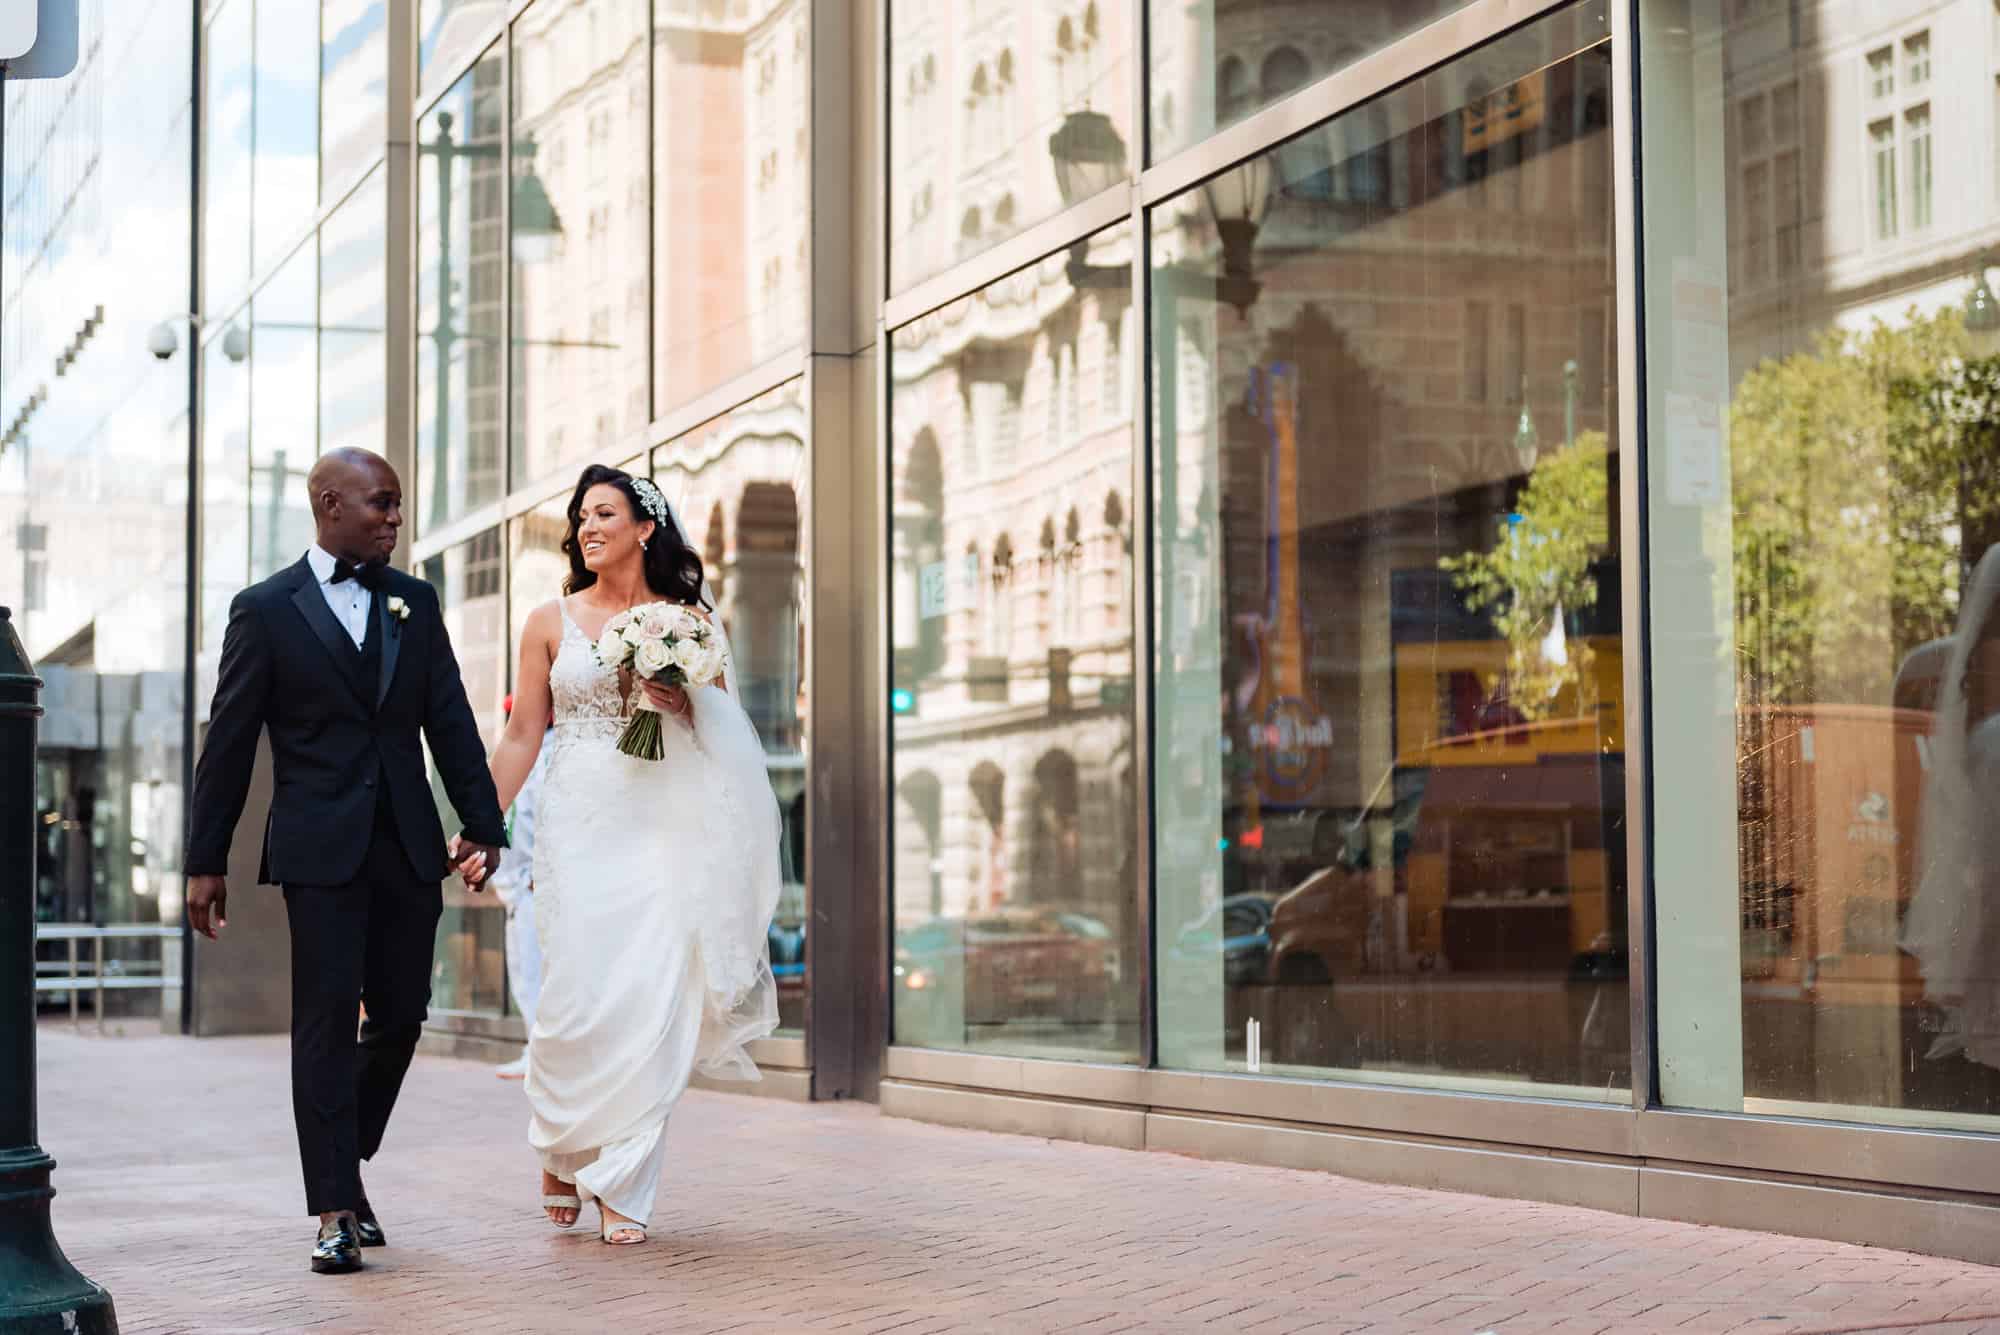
<point>370,575</point>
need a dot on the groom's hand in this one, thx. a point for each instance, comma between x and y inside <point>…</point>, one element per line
<point>207,902</point>
<point>474,863</point>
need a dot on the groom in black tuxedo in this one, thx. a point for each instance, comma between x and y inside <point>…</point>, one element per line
<point>344,661</point>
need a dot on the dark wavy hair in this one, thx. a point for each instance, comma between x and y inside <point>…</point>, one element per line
<point>673,569</point>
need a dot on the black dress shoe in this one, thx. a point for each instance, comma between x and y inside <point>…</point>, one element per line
<point>337,1251</point>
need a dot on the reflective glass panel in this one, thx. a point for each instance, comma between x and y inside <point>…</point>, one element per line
<point>448,31</point>
<point>354,87</point>
<point>578,235</point>
<point>287,128</point>
<point>1823,376</point>
<point>470,968</point>
<point>284,412</point>
<point>227,129</point>
<point>1013,831</point>
<point>1215,62</point>
<point>461,268</point>
<point>353,346</point>
<point>1000,115</point>
<point>1389,767</point>
<point>733,181</point>
<point>738,483</point>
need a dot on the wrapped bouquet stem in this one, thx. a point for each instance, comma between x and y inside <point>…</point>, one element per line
<point>662,642</point>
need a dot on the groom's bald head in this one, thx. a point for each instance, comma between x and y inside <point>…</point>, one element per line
<point>357,504</point>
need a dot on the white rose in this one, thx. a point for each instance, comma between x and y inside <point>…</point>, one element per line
<point>656,622</point>
<point>687,657</point>
<point>712,662</point>
<point>653,657</point>
<point>612,651</point>
<point>633,635</point>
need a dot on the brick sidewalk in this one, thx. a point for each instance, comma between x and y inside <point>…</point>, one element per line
<point>179,1192</point>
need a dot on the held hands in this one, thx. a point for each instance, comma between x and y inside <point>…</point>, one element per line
<point>207,905</point>
<point>474,863</point>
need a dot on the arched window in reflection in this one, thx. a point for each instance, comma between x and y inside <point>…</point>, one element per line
<point>1000,612</point>
<point>764,621</point>
<point>1232,89</point>
<point>1285,72</point>
<point>919,848</point>
<point>1055,863</point>
<point>988,878</point>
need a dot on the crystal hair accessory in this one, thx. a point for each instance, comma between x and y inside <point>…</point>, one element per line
<point>650,497</point>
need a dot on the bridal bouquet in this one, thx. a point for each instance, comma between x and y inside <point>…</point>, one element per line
<point>663,642</point>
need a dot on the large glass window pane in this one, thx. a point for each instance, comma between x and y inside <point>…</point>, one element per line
<point>227,131</point>
<point>1389,764</point>
<point>578,240</point>
<point>738,483</point>
<point>225,483</point>
<point>1000,115</point>
<point>1824,509</point>
<point>470,971</point>
<point>284,412</point>
<point>731,170</point>
<point>287,128</point>
<point>1016,903</point>
<point>353,347</point>
<point>461,259</point>
<point>448,31</point>
<point>354,83</point>
<point>94,477</point>
<point>1216,61</point>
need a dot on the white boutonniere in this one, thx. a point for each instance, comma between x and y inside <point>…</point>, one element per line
<point>398,608</point>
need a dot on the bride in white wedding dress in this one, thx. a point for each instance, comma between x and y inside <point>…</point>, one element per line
<point>655,881</point>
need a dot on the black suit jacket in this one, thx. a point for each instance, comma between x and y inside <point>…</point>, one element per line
<point>289,666</point>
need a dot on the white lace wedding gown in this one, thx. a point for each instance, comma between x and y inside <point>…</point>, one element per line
<point>655,882</point>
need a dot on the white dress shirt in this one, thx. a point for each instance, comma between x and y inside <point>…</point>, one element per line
<point>348,600</point>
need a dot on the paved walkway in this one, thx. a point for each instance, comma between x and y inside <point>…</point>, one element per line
<point>179,1192</point>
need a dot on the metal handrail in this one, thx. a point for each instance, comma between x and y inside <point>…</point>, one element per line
<point>96,982</point>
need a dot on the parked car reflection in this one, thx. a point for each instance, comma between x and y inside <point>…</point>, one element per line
<point>1007,965</point>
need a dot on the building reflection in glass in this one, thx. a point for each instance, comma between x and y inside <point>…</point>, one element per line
<point>1390,772</point>
<point>732,178</point>
<point>1016,927</point>
<point>978,92</point>
<point>470,969</point>
<point>738,483</point>
<point>1218,61</point>
<point>577,239</point>
<point>1825,527</point>
<point>461,254</point>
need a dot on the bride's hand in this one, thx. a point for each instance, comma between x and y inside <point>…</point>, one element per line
<point>671,699</point>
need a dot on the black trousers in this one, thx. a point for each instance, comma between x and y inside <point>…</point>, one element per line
<point>368,941</point>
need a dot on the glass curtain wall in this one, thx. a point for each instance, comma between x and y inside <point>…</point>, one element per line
<point>1824,398</point>
<point>1012,736</point>
<point>1390,775</point>
<point>1214,62</point>
<point>461,315</point>
<point>469,972</point>
<point>94,487</point>
<point>617,195</point>
<point>577,236</point>
<point>1001,115</point>
<point>738,483</point>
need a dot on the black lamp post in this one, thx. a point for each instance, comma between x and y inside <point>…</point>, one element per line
<point>41,1293</point>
